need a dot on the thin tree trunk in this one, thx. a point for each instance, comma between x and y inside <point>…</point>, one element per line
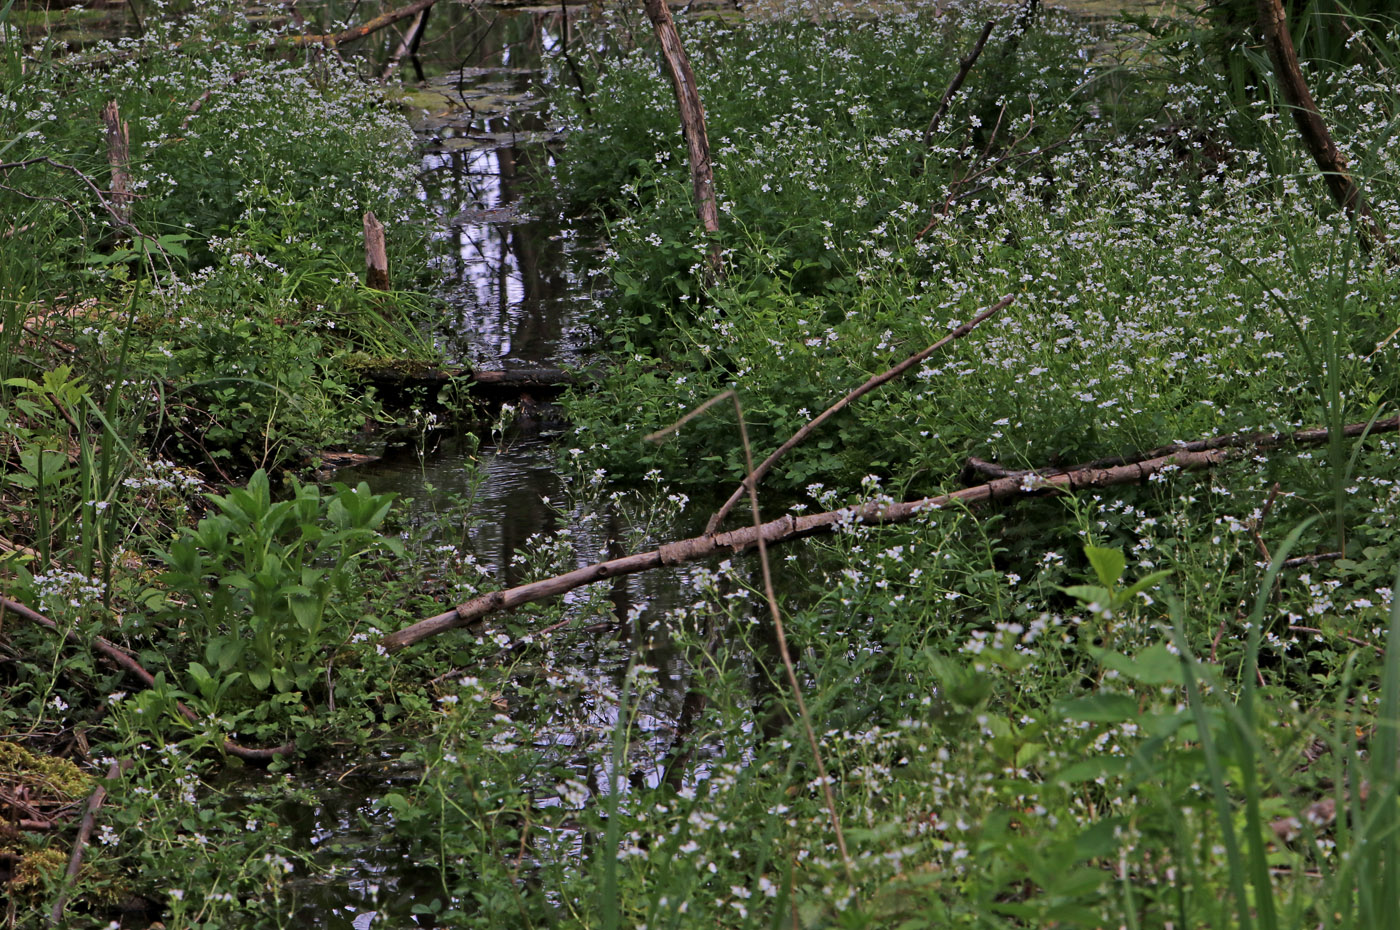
<point>702,176</point>
<point>118,159</point>
<point>376,254</point>
<point>1273,20</point>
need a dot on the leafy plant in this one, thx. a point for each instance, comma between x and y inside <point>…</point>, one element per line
<point>269,586</point>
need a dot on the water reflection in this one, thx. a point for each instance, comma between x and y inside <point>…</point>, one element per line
<point>516,285</point>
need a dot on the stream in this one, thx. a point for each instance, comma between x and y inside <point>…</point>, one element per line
<point>516,287</point>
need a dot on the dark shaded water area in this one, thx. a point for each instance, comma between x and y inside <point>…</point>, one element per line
<point>517,283</point>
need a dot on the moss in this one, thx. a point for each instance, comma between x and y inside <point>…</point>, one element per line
<point>48,776</point>
<point>35,869</point>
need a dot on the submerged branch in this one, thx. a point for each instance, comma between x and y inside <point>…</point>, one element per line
<point>790,527</point>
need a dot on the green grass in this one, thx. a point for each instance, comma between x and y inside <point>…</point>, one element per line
<point>1082,712</point>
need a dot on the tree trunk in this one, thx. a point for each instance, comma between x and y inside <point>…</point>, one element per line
<point>702,176</point>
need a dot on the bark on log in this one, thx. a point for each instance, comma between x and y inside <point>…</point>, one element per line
<point>692,111</point>
<point>376,255</point>
<point>1273,20</point>
<point>788,527</point>
<point>119,160</point>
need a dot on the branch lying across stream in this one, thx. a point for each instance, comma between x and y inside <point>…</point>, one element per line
<point>359,32</point>
<point>787,528</point>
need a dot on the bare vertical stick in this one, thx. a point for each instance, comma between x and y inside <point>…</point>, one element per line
<point>1274,22</point>
<point>783,648</point>
<point>702,175</point>
<point>75,861</point>
<point>119,159</point>
<point>376,257</point>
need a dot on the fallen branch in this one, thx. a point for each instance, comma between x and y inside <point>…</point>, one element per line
<point>964,66</point>
<point>767,464</point>
<point>359,32</point>
<point>789,527</point>
<point>75,861</point>
<point>1344,189</point>
<point>125,661</point>
<point>1253,440</point>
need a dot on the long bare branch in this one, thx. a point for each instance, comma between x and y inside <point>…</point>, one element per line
<point>333,40</point>
<point>790,527</point>
<point>886,376</point>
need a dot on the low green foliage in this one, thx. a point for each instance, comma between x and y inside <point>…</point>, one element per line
<point>270,587</point>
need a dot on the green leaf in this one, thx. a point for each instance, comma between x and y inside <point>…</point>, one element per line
<point>1100,708</point>
<point>1108,564</point>
<point>1155,665</point>
<point>1092,769</point>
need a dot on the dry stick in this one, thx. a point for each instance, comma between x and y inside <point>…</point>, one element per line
<point>376,256</point>
<point>195,107</point>
<point>75,861</point>
<point>964,66</point>
<point>123,659</point>
<point>756,475</point>
<point>783,648</point>
<point>359,32</point>
<point>1380,650</point>
<point>118,159</point>
<point>789,527</point>
<point>1274,21</point>
<point>697,141</point>
<point>1302,437</point>
<point>1257,524</point>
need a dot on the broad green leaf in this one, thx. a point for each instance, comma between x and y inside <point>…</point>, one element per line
<point>1100,708</point>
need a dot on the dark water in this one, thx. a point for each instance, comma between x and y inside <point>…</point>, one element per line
<point>517,285</point>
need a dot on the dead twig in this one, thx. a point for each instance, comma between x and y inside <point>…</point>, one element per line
<point>964,66</point>
<point>125,661</point>
<point>1300,561</point>
<point>1380,650</point>
<point>204,98</point>
<point>756,475</point>
<point>1307,437</point>
<point>783,650</point>
<point>1256,524</point>
<point>75,861</point>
